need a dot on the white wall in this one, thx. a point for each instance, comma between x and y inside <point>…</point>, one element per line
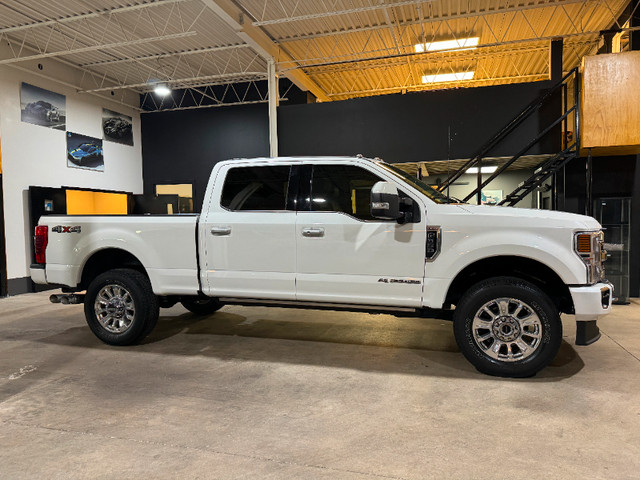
<point>506,181</point>
<point>36,155</point>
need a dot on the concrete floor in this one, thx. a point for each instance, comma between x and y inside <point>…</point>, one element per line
<point>262,393</point>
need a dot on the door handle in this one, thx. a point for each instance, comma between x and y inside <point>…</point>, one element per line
<point>313,232</point>
<point>220,231</point>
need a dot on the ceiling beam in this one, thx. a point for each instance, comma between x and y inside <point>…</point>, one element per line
<point>262,43</point>
<point>442,85</point>
<point>91,48</point>
<point>323,62</point>
<point>184,82</point>
<point>83,16</point>
<point>166,55</point>
<point>436,18</point>
<point>312,16</point>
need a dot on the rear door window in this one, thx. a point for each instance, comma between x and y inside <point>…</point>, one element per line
<point>256,188</point>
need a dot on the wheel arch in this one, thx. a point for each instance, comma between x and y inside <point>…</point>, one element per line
<point>533,271</point>
<point>106,259</point>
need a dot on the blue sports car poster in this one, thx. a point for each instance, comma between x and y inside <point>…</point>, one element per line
<point>84,152</point>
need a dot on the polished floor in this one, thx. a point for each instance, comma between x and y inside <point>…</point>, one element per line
<point>252,392</point>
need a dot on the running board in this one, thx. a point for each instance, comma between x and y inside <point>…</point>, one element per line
<point>250,302</point>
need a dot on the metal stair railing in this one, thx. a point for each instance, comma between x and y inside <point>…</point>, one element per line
<point>535,105</point>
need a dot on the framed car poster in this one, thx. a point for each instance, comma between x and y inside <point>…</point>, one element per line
<point>117,127</point>
<point>42,107</point>
<point>84,152</point>
<point>492,197</point>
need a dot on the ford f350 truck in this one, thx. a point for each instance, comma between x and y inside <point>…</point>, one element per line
<point>344,233</point>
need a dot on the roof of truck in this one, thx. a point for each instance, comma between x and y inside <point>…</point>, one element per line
<point>312,157</point>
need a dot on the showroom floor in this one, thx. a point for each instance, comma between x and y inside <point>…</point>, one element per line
<point>252,392</point>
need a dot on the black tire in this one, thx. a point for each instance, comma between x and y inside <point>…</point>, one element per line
<point>516,311</point>
<point>130,295</point>
<point>201,305</point>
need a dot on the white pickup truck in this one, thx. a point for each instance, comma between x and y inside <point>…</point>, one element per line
<point>343,233</point>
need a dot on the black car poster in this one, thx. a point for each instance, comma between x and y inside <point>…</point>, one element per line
<point>84,152</point>
<point>42,107</point>
<point>117,127</point>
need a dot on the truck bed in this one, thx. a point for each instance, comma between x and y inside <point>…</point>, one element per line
<point>166,245</point>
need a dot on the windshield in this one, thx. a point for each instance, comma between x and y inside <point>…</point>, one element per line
<point>428,190</point>
<point>85,147</point>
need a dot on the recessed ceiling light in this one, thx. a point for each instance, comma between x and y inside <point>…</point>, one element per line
<point>457,44</point>
<point>447,77</point>
<point>487,169</point>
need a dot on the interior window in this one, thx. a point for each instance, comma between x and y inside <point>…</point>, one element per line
<point>342,188</point>
<point>256,188</point>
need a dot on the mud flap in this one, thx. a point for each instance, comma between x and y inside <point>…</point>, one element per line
<point>587,332</point>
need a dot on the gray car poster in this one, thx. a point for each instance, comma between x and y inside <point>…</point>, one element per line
<point>117,127</point>
<point>84,152</point>
<point>42,107</point>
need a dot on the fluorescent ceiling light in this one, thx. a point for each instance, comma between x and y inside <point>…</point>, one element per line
<point>458,44</point>
<point>447,77</point>
<point>482,169</point>
<point>162,90</point>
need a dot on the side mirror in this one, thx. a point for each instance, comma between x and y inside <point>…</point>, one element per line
<point>385,203</point>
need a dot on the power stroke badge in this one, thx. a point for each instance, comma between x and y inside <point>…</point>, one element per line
<point>398,280</point>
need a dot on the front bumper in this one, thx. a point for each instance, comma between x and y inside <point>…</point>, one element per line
<point>590,303</point>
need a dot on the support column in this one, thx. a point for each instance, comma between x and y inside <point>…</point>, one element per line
<point>556,102</point>
<point>273,104</point>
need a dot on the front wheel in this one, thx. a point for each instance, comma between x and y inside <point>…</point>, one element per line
<point>507,327</point>
<point>120,306</point>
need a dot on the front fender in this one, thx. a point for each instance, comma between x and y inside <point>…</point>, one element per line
<point>459,250</point>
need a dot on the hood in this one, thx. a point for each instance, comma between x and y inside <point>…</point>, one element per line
<point>527,216</point>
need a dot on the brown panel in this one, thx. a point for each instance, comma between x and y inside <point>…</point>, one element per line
<point>611,103</point>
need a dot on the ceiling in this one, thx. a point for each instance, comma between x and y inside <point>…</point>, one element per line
<point>336,49</point>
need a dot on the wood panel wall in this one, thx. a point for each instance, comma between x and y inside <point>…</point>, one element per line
<point>611,104</point>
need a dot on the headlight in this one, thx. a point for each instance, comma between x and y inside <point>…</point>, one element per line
<point>589,247</point>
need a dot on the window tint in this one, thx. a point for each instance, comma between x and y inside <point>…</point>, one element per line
<point>342,188</point>
<point>256,188</point>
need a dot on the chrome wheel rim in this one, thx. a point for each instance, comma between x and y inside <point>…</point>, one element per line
<point>507,329</point>
<point>114,308</point>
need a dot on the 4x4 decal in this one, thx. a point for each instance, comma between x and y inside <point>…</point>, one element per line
<point>66,229</point>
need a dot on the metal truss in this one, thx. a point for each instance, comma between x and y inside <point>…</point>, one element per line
<point>340,48</point>
<point>329,13</point>
<point>76,34</point>
<point>61,37</point>
<point>85,16</point>
<point>159,56</point>
<point>186,82</point>
<point>378,75</point>
<point>209,96</point>
<point>434,16</point>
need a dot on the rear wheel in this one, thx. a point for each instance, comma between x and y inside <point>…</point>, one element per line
<point>201,305</point>
<point>120,307</point>
<point>507,327</point>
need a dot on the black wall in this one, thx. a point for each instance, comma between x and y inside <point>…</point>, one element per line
<point>183,146</point>
<point>617,176</point>
<point>436,125</point>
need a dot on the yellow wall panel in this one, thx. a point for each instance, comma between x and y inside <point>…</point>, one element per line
<point>82,202</point>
